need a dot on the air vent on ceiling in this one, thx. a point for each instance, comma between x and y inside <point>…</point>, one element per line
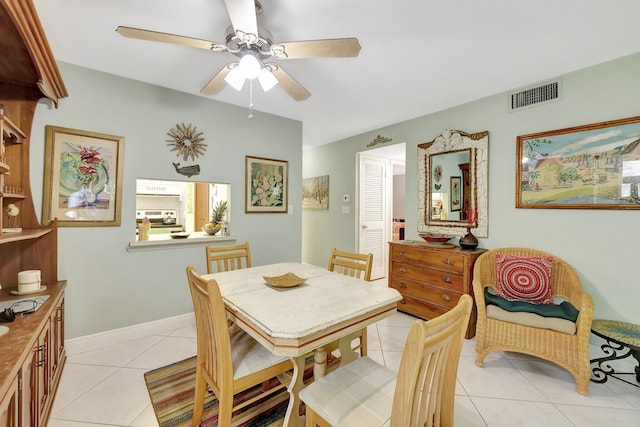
<point>536,95</point>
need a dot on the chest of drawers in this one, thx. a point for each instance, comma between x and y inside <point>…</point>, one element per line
<point>431,279</point>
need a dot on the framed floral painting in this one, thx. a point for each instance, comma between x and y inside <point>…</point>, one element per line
<point>82,178</point>
<point>266,184</point>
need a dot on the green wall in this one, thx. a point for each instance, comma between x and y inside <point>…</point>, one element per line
<point>600,244</point>
<point>111,288</point>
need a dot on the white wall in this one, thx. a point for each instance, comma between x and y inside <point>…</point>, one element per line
<point>109,287</point>
<point>600,244</point>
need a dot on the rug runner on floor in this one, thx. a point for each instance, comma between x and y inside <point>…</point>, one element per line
<point>171,389</point>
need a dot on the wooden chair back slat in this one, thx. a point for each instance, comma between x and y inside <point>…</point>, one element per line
<point>351,264</point>
<point>229,257</point>
<point>425,387</point>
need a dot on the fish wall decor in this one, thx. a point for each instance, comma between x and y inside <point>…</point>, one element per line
<point>188,171</point>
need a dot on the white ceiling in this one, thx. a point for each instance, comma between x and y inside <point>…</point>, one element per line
<point>417,57</point>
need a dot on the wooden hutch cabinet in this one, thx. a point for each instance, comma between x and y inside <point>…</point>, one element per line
<point>432,279</point>
<point>33,354</point>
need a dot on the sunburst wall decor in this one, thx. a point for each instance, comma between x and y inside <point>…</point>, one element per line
<point>186,141</point>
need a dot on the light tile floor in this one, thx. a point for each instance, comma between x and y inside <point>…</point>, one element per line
<point>106,387</point>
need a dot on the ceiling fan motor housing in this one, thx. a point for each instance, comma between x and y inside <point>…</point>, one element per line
<point>237,45</point>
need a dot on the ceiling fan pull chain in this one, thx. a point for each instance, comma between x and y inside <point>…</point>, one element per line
<point>251,99</point>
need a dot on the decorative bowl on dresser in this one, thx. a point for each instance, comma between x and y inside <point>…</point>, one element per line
<point>431,279</point>
<point>436,237</point>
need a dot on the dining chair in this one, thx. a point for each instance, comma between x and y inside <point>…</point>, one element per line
<point>365,393</point>
<point>351,263</point>
<point>355,265</point>
<point>228,257</point>
<point>228,360</point>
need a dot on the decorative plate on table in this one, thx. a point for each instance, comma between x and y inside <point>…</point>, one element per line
<point>288,280</point>
<point>179,235</point>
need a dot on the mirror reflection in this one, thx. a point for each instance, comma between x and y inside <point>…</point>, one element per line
<point>453,172</point>
<point>450,172</point>
<point>179,206</point>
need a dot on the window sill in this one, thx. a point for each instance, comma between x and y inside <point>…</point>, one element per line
<point>163,241</point>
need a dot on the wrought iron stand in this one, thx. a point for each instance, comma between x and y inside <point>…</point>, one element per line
<point>623,340</point>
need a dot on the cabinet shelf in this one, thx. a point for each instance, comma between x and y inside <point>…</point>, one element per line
<point>12,196</point>
<point>27,234</point>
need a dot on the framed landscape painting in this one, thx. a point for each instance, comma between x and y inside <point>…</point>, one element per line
<point>82,178</point>
<point>315,192</point>
<point>595,166</point>
<point>267,185</point>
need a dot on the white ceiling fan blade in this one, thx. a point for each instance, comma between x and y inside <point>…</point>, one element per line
<point>243,18</point>
<point>217,82</point>
<point>156,36</point>
<point>327,48</point>
<point>288,83</point>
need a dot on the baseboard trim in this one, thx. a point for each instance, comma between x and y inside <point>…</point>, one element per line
<point>91,342</point>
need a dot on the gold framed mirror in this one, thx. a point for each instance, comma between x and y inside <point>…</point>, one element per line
<point>453,183</point>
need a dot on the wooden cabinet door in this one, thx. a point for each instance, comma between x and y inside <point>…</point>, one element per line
<point>29,389</point>
<point>9,408</point>
<point>44,370</point>
<point>57,341</point>
<point>34,392</point>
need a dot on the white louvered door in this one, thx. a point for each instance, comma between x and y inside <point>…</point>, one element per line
<point>373,211</point>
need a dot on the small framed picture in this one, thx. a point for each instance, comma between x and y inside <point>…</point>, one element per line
<point>315,192</point>
<point>266,185</point>
<point>456,193</point>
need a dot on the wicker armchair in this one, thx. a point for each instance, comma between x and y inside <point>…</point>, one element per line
<point>569,351</point>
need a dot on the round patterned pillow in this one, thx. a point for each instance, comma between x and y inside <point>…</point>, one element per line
<point>524,278</point>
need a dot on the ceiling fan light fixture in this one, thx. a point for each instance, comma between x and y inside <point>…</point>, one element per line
<point>249,66</point>
<point>235,78</point>
<point>267,79</point>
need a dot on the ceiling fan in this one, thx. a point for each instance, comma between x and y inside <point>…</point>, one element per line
<point>253,45</point>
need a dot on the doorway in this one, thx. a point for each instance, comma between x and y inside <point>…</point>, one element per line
<point>381,203</point>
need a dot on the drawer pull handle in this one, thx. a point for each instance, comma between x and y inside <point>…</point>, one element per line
<point>403,254</point>
<point>446,298</point>
<point>403,270</point>
<point>447,279</point>
<point>42,355</point>
<point>447,261</point>
<point>403,285</point>
<point>402,301</point>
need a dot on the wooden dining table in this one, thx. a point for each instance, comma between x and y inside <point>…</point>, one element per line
<point>300,321</point>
